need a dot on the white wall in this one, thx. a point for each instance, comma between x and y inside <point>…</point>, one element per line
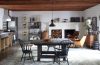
<point>46,16</point>
<point>94,12</point>
<point>1,18</point>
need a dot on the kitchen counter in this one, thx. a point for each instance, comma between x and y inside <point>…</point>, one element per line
<point>5,40</point>
<point>4,34</point>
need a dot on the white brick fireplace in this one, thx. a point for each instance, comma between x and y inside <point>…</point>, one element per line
<point>64,26</point>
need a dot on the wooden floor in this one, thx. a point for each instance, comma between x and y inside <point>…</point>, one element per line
<point>7,52</point>
<point>76,56</point>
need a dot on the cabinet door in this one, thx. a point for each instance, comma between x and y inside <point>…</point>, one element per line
<point>25,27</point>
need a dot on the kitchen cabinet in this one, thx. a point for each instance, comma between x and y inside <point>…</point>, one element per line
<point>5,40</point>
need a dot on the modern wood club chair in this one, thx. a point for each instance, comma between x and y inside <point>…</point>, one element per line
<point>26,49</point>
<point>80,43</point>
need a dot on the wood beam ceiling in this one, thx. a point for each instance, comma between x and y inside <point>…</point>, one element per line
<point>48,5</point>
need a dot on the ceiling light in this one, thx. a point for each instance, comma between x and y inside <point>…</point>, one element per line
<point>52,21</point>
<point>8,17</point>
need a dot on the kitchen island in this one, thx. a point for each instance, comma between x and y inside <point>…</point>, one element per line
<point>5,40</point>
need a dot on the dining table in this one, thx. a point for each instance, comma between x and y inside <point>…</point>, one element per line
<point>46,54</point>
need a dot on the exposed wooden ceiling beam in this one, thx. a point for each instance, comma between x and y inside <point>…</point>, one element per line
<point>48,5</point>
<point>21,2</point>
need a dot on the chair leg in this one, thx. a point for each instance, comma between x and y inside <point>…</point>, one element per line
<point>59,61</point>
<point>29,56</point>
<point>22,56</point>
<point>48,48</point>
<point>67,61</point>
<point>54,59</point>
<point>32,56</point>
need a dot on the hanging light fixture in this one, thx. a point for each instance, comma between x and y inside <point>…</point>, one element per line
<point>8,16</point>
<point>52,21</point>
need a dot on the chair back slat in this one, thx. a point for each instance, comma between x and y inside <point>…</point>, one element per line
<point>23,45</point>
<point>65,51</point>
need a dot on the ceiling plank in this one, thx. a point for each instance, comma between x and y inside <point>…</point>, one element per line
<point>48,5</point>
<point>21,2</point>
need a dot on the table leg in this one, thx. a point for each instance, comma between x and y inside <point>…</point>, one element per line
<point>39,52</point>
<point>64,47</point>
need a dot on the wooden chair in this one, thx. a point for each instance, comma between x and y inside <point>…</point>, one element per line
<point>62,53</point>
<point>26,49</point>
<point>80,43</point>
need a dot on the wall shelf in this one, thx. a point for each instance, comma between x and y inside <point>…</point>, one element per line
<point>34,28</point>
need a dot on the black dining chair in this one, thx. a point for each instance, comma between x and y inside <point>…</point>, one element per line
<point>62,53</point>
<point>26,49</point>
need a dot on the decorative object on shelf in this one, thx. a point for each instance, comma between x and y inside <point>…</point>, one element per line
<point>35,18</point>
<point>56,19</point>
<point>88,25</point>
<point>65,20</point>
<point>35,22</point>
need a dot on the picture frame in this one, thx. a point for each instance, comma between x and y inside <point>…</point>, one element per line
<point>75,19</point>
<point>94,23</point>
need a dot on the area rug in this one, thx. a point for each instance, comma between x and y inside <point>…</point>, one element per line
<point>76,56</point>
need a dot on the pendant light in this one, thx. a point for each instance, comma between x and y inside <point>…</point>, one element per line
<point>8,16</point>
<point>52,21</point>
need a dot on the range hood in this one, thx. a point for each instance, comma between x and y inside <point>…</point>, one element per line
<point>52,24</point>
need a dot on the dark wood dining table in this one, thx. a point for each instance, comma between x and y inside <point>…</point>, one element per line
<point>40,43</point>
